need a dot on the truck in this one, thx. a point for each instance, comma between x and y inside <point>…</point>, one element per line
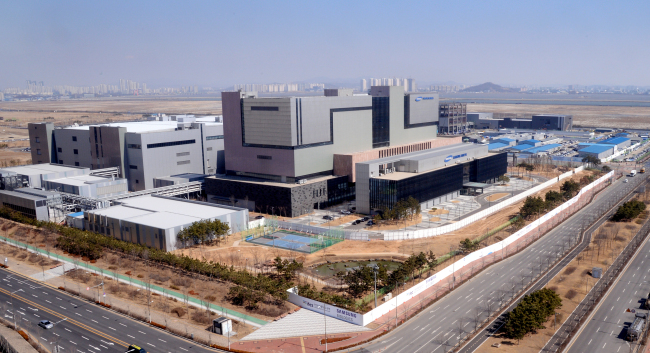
<point>635,330</point>
<point>633,172</point>
<point>642,170</point>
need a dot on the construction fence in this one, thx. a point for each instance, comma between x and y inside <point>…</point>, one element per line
<point>432,232</point>
<point>464,268</point>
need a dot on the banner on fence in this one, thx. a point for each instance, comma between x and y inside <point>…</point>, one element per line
<point>446,273</point>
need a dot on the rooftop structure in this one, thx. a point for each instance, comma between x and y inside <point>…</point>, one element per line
<point>430,176</point>
<point>155,220</point>
<point>141,150</point>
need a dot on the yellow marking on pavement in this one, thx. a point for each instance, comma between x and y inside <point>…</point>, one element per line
<point>302,344</point>
<point>68,319</point>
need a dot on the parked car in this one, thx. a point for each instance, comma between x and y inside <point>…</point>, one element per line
<point>370,223</point>
<point>329,218</point>
<point>345,212</point>
<point>46,324</point>
<point>366,218</point>
<point>259,217</point>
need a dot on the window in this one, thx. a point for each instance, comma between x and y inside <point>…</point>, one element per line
<point>270,109</point>
<point>259,156</point>
<point>173,143</point>
<point>182,162</point>
<point>130,145</point>
<point>74,138</point>
<point>137,181</point>
<point>181,154</point>
<point>76,164</point>
<point>133,167</point>
<point>59,149</point>
<point>75,151</point>
<point>38,139</point>
<point>60,161</point>
<point>215,137</point>
<point>38,152</point>
<point>209,149</point>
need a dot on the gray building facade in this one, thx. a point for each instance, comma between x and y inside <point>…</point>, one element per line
<point>143,150</point>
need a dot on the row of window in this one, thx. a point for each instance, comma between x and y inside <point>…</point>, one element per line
<point>60,150</point>
<point>215,137</point>
<point>76,164</point>
<point>172,143</point>
<point>182,162</point>
<point>181,154</point>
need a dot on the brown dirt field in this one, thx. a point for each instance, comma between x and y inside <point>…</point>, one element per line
<point>495,197</point>
<point>434,219</point>
<point>102,110</point>
<point>438,211</point>
<point>139,270</point>
<point>583,115</point>
<point>395,225</point>
<point>341,220</point>
<point>239,253</point>
<point>611,238</point>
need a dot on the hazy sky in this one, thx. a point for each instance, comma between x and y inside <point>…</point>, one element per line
<point>219,43</point>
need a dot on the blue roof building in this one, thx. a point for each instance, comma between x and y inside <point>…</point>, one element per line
<point>496,146</point>
<point>546,148</point>
<point>531,142</point>
<point>620,142</point>
<point>598,151</point>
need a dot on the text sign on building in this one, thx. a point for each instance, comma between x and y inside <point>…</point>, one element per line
<point>451,156</point>
<point>423,98</point>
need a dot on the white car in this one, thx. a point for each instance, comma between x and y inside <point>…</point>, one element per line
<point>625,181</point>
<point>46,324</point>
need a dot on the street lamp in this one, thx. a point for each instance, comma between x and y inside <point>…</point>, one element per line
<point>13,307</point>
<point>375,269</point>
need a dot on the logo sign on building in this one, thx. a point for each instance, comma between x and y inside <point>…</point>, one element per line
<point>451,156</point>
<point>423,98</point>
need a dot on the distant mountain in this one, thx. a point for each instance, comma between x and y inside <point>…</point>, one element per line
<point>488,87</point>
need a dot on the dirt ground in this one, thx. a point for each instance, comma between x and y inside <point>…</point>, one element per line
<point>438,211</point>
<point>583,115</point>
<point>209,291</point>
<point>575,281</point>
<point>101,110</point>
<point>236,252</point>
<point>498,196</point>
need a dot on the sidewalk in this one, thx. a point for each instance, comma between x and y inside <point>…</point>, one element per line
<point>137,283</point>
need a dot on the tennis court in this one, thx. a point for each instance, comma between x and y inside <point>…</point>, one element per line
<point>294,241</point>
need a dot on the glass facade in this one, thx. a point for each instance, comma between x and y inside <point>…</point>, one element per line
<point>380,122</point>
<point>385,193</point>
<point>423,187</point>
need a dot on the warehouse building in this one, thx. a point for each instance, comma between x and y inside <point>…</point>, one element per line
<point>142,150</point>
<point>541,150</point>
<point>430,176</point>
<point>155,220</point>
<point>599,151</point>
<point>619,142</point>
<point>88,185</point>
<point>483,120</point>
<point>293,154</point>
<point>32,203</point>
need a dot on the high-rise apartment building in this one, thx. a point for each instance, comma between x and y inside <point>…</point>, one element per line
<point>364,85</point>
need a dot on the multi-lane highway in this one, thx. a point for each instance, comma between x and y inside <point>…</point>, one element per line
<point>80,326</point>
<point>606,329</point>
<point>441,326</point>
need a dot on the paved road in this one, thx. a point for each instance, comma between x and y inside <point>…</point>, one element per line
<point>606,330</point>
<point>440,327</point>
<point>87,327</point>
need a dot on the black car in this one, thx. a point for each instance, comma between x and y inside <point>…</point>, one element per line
<point>366,218</point>
<point>329,218</point>
<point>259,217</point>
<point>370,223</point>
<point>135,349</point>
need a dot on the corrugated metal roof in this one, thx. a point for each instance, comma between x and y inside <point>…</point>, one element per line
<point>616,140</point>
<point>496,145</point>
<point>505,139</point>
<point>543,148</point>
<point>531,141</point>
<point>597,149</point>
<point>522,147</point>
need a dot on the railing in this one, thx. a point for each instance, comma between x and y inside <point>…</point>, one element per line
<point>432,232</point>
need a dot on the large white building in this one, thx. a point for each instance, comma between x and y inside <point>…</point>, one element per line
<point>142,150</point>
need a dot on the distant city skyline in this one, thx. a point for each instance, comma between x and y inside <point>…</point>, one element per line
<point>219,44</point>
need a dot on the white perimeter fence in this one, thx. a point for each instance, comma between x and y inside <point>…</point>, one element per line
<point>456,272</point>
<point>432,232</point>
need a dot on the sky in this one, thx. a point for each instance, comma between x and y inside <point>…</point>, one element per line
<point>221,43</point>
